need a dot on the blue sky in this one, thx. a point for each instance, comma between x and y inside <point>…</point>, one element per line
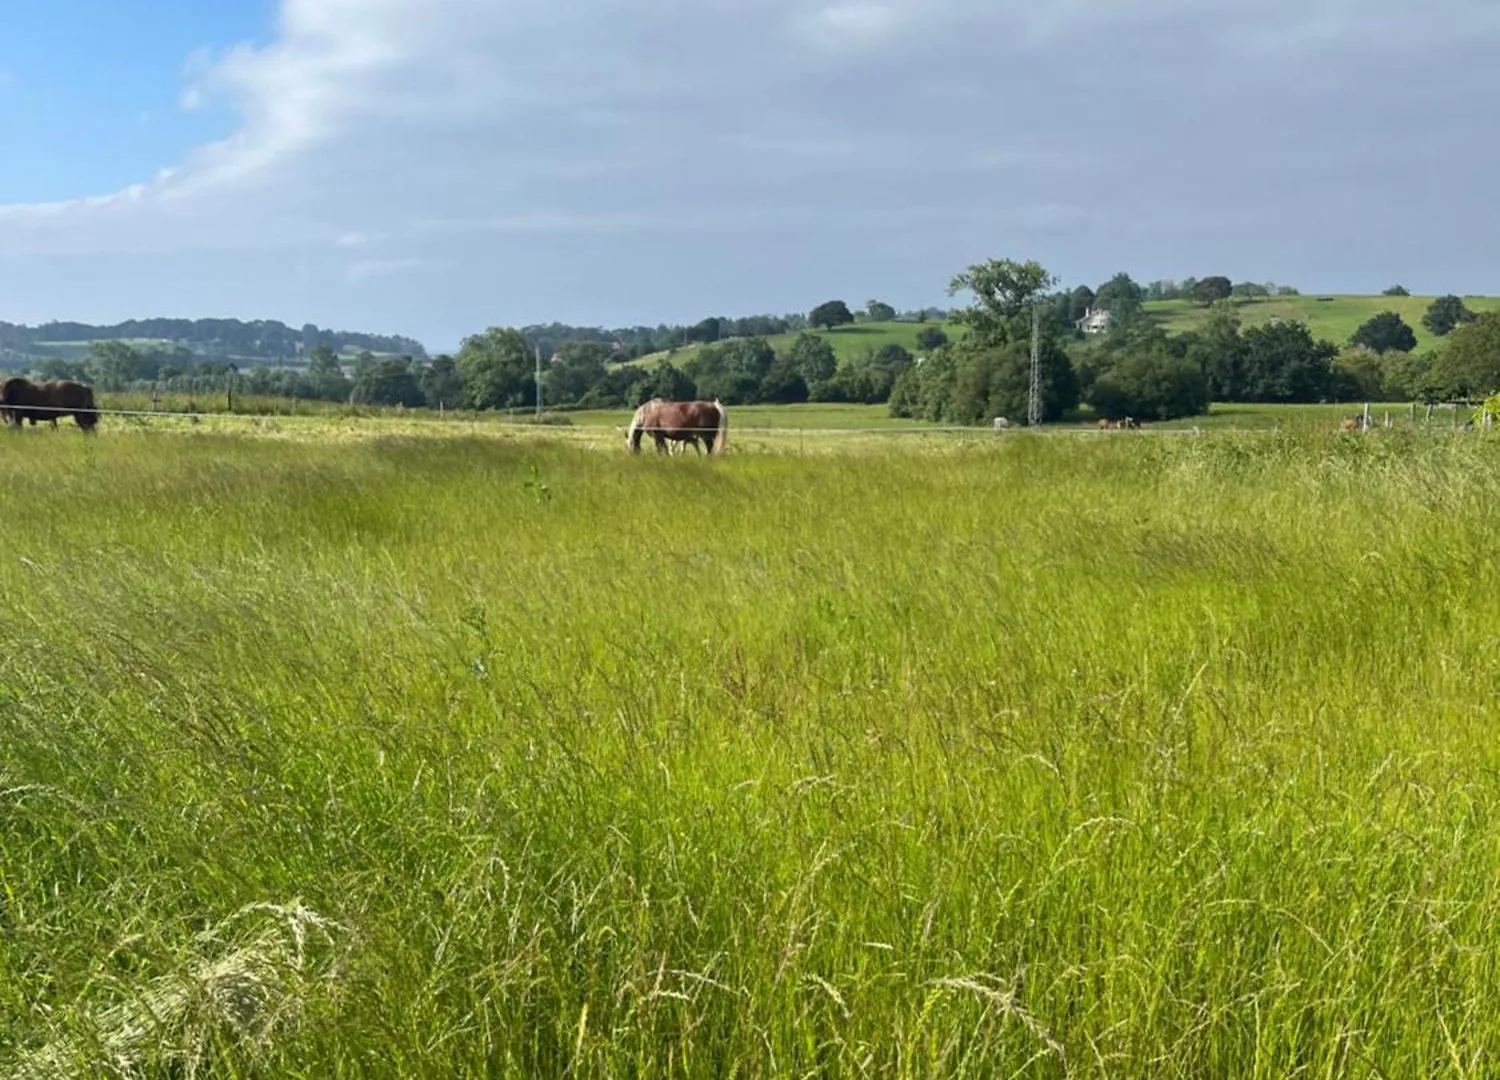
<point>433,167</point>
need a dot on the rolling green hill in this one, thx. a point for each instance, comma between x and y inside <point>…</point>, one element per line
<point>847,341</point>
<point>1332,317</point>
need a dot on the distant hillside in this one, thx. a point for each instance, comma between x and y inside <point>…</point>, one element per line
<point>1334,318</point>
<point>223,339</point>
<point>846,341</point>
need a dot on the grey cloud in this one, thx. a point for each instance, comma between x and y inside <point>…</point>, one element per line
<point>800,146</point>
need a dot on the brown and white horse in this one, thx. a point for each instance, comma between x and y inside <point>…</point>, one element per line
<point>680,421</point>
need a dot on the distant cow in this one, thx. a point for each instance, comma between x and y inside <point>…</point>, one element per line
<point>22,400</point>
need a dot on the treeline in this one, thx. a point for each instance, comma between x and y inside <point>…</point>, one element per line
<point>978,371</point>
<point>633,342</point>
<point>214,338</point>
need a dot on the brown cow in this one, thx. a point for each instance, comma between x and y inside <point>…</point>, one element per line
<point>680,421</point>
<point>22,400</point>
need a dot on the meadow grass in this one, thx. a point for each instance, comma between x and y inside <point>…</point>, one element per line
<point>368,751</point>
<point>1333,317</point>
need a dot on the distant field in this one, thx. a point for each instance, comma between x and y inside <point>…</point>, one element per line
<point>846,341</point>
<point>1335,319</point>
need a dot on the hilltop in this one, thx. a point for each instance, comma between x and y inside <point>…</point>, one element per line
<point>847,342</point>
<point>1328,316</point>
<point>217,339</point>
<point>1334,317</point>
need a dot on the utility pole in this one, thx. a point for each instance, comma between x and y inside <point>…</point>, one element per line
<point>1034,402</point>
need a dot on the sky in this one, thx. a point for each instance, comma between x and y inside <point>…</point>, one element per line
<point>436,167</point>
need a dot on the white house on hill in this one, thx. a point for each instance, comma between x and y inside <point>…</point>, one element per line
<point>1094,322</point>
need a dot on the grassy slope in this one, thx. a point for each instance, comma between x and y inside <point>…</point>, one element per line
<point>846,341</point>
<point>1014,757</point>
<point>1335,319</point>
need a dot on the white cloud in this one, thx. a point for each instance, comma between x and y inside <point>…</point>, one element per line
<point>410,134</point>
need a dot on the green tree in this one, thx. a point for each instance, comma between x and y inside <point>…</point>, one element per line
<point>1210,290</point>
<point>783,383</point>
<point>830,314</point>
<point>1282,363</point>
<point>1002,290</point>
<point>1397,290</point>
<point>1386,332</point>
<point>1151,383</point>
<point>442,385</point>
<point>496,368</point>
<point>813,357</point>
<point>879,311</point>
<point>389,381</point>
<point>1219,352</point>
<point>1358,375</point>
<point>325,375</point>
<point>1408,376</point>
<point>1446,313</point>
<point>576,368</point>
<point>1122,298</point>
<point>931,337</point>
<point>1469,365</point>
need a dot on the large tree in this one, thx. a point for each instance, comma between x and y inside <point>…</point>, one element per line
<point>1002,290</point>
<point>1445,314</point>
<point>1283,363</point>
<point>813,357</point>
<point>1386,332</point>
<point>1469,364</point>
<point>1211,289</point>
<point>497,369</point>
<point>879,311</point>
<point>441,383</point>
<point>830,314</point>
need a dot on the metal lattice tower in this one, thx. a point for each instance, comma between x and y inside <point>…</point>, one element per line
<point>1034,402</point>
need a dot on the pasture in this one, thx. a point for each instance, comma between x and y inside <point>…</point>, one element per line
<point>1334,318</point>
<point>338,748</point>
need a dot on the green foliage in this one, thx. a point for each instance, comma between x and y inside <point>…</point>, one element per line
<point>1359,374</point>
<point>497,369</point>
<point>1002,290</point>
<point>325,375</point>
<point>1123,299</point>
<point>1283,363</point>
<point>931,337</point>
<point>972,383</point>
<point>830,314</point>
<point>441,383</point>
<point>1469,365</point>
<point>1150,378</point>
<point>391,381</point>
<point>879,311</point>
<point>813,357</point>
<point>1396,290</point>
<point>1446,313</point>
<point>1385,332</point>
<point>1210,290</point>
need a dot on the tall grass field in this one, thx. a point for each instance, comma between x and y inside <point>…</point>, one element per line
<point>336,754</point>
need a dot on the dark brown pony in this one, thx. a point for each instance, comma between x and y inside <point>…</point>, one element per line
<point>22,400</point>
<point>680,421</point>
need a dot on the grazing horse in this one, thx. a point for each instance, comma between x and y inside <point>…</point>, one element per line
<point>680,421</point>
<point>22,400</point>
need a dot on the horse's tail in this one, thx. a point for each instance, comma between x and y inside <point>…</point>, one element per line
<point>633,437</point>
<point>723,435</point>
